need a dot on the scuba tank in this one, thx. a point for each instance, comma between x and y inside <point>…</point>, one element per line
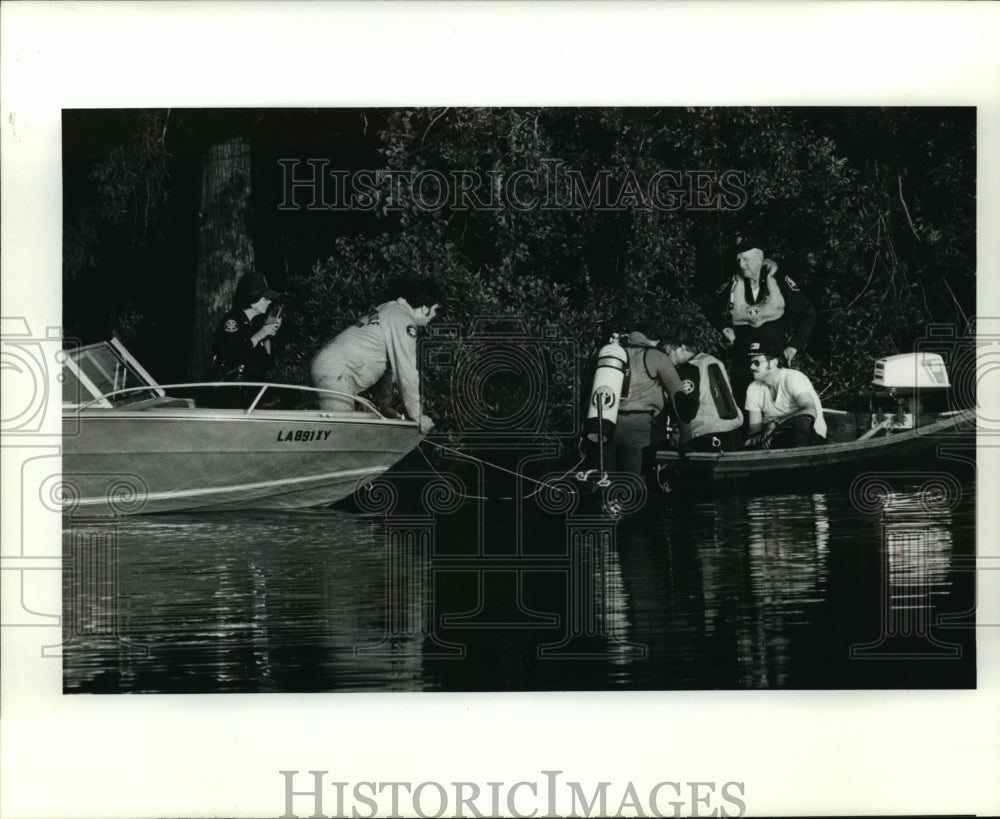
<point>611,377</point>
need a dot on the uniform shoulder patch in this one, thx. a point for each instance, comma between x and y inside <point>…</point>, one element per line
<point>411,331</point>
<point>688,386</point>
<point>230,326</point>
<point>791,285</point>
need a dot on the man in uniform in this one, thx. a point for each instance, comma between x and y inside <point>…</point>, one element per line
<point>782,405</point>
<point>359,357</point>
<point>758,307</point>
<point>242,343</point>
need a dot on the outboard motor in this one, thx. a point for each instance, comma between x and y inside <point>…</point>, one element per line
<point>610,383</point>
<point>912,385</point>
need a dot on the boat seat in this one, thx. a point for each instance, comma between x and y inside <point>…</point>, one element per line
<point>841,426</point>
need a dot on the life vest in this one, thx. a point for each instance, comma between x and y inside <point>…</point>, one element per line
<point>770,308</point>
<point>717,409</point>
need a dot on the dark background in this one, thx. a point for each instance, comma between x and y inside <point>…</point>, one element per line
<point>870,210</point>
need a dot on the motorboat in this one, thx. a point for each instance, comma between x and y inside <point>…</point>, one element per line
<point>902,421</point>
<point>131,445</point>
<point>811,465</point>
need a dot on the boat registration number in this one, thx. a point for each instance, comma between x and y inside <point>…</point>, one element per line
<point>304,435</point>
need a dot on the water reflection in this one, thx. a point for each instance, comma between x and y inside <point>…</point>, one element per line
<point>597,604</point>
<point>916,563</point>
<point>785,544</point>
<point>230,603</point>
<point>780,591</point>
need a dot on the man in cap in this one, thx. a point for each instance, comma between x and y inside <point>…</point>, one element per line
<point>783,408</point>
<point>386,339</point>
<point>242,343</point>
<point>763,304</point>
<point>653,361</point>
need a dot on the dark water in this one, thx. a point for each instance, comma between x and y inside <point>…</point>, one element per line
<point>798,590</point>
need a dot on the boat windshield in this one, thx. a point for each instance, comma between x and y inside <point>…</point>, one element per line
<point>96,370</point>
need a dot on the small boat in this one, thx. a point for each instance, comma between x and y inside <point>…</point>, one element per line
<point>131,445</point>
<point>810,464</point>
<point>893,426</point>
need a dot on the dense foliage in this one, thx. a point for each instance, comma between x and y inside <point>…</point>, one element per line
<point>871,211</point>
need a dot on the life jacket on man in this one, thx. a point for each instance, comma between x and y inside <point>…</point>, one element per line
<point>762,303</point>
<point>769,306</point>
<point>717,414</point>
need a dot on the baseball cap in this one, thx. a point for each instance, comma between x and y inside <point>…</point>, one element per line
<point>766,347</point>
<point>748,242</point>
<point>253,286</point>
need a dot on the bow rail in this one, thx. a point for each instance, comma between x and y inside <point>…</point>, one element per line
<point>263,386</point>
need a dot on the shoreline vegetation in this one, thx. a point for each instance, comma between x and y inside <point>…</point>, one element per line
<point>548,228</point>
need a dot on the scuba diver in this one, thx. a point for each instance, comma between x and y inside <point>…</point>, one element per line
<point>636,375</point>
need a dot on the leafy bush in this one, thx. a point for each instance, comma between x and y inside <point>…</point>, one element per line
<point>831,213</point>
<point>870,210</point>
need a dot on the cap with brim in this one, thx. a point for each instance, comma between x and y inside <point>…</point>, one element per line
<point>767,347</point>
<point>254,283</point>
<point>748,242</point>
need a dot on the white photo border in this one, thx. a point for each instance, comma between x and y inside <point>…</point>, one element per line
<point>797,752</point>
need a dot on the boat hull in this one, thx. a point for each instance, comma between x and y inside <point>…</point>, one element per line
<point>167,460</point>
<point>812,465</point>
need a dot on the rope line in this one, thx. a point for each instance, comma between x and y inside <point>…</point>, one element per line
<point>462,494</point>
<point>459,453</point>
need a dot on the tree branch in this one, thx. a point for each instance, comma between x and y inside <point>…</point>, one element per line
<point>424,137</point>
<point>965,318</point>
<point>906,210</point>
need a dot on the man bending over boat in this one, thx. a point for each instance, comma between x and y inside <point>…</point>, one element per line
<point>653,361</point>
<point>782,406</point>
<point>385,339</point>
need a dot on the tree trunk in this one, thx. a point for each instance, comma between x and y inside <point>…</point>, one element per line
<point>225,249</point>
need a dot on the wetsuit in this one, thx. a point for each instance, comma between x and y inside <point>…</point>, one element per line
<point>637,432</point>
